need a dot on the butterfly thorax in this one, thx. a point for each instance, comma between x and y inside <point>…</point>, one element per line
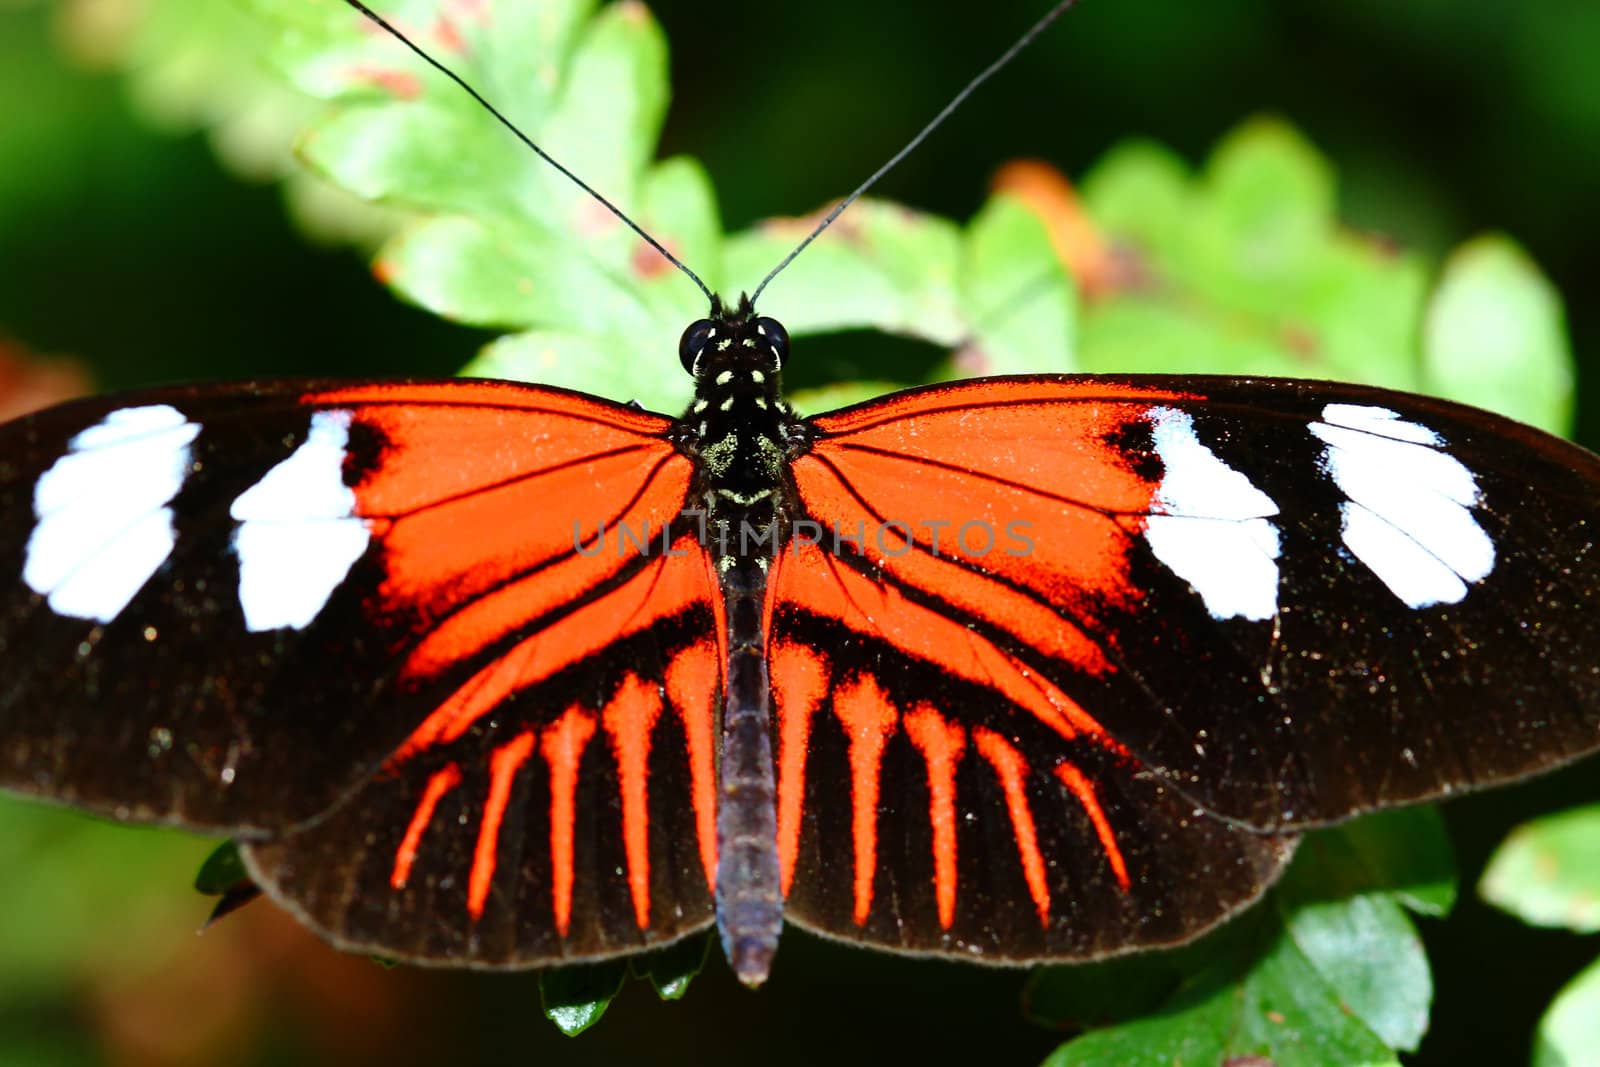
<point>741,431</point>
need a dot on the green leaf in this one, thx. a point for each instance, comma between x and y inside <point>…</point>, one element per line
<point>508,242</point>
<point>1547,872</point>
<point>1405,853</point>
<point>1569,1033</point>
<point>1082,996</point>
<point>1141,193</point>
<point>221,871</point>
<point>1018,299</point>
<point>604,364</point>
<point>671,969</point>
<point>839,395</point>
<point>499,275</point>
<point>575,997</point>
<point>1281,1008</point>
<point>1496,336</point>
<point>1370,955</point>
<point>1244,270</point>
<point>1330,971</point>
<point>880,266</point>
<point>1268,209</point>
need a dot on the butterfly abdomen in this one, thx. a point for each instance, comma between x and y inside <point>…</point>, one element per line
<point>748,894</point>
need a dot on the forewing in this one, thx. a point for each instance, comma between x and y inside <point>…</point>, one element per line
<point>1184,613</point>
<point>1295,601</point>
<point>234,606</point>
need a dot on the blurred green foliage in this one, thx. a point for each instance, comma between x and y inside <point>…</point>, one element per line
<point>1548,873</point>
<point>133,253</point>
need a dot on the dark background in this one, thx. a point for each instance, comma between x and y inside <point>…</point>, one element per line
<point>131,251</point>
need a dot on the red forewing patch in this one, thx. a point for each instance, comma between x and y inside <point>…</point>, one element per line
<point>1033,498</point>
<point>1024,396</point>
<point>528,522</point>
<point>928,553</point>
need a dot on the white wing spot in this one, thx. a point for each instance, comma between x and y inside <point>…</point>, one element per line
<point>103,522</point>
<point>298,533</point>
<point>1211,525</point>
<point>1409,514</point>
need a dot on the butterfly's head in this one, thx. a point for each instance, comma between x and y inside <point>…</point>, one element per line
<point>734,341</point>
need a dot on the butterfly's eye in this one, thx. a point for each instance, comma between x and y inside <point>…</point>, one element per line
<point>695,339</point>
<point>775,338</point>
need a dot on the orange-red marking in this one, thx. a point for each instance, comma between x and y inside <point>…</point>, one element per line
<point>468,544</point>
<point>630,719</point>
<point>693,680</point>
<point>942,570</point>
<point>868,720</point>
<point>470,517</point>
<point>664,587</point>
<point>1048,467</point>
<point>504,763</point>
<point>799,682</point>
<point>562,748</point>
<point>1083,789</point>
<point>452,580</point>
<point>941,745</point>
<point>1012,771</point>
<point>995,398</point>
<point>439,784</point>
<point>809,580</point>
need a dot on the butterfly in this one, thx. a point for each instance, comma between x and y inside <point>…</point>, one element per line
<point>1009,670</point>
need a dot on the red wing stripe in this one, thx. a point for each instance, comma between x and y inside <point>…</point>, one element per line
<point>442,782</point>
<point>693,684</point>
<point>664,587</point>
<point>941,745</point>
<point>1084,790</point>
<point>478,604</point>
<point>1012,771</point>
<point>867,607</point>
<point>995,598</point>
<point>799,682</point>
<point>504,763</point>
<point>630,719</point>
<point>868,719</point>
<point>628,454</point>
<point>447,561</point>
<point>562,749</point>
<point>477,697</point>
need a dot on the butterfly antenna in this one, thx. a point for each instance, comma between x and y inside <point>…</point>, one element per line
<point>960,98</point>
<point>525,139</point>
